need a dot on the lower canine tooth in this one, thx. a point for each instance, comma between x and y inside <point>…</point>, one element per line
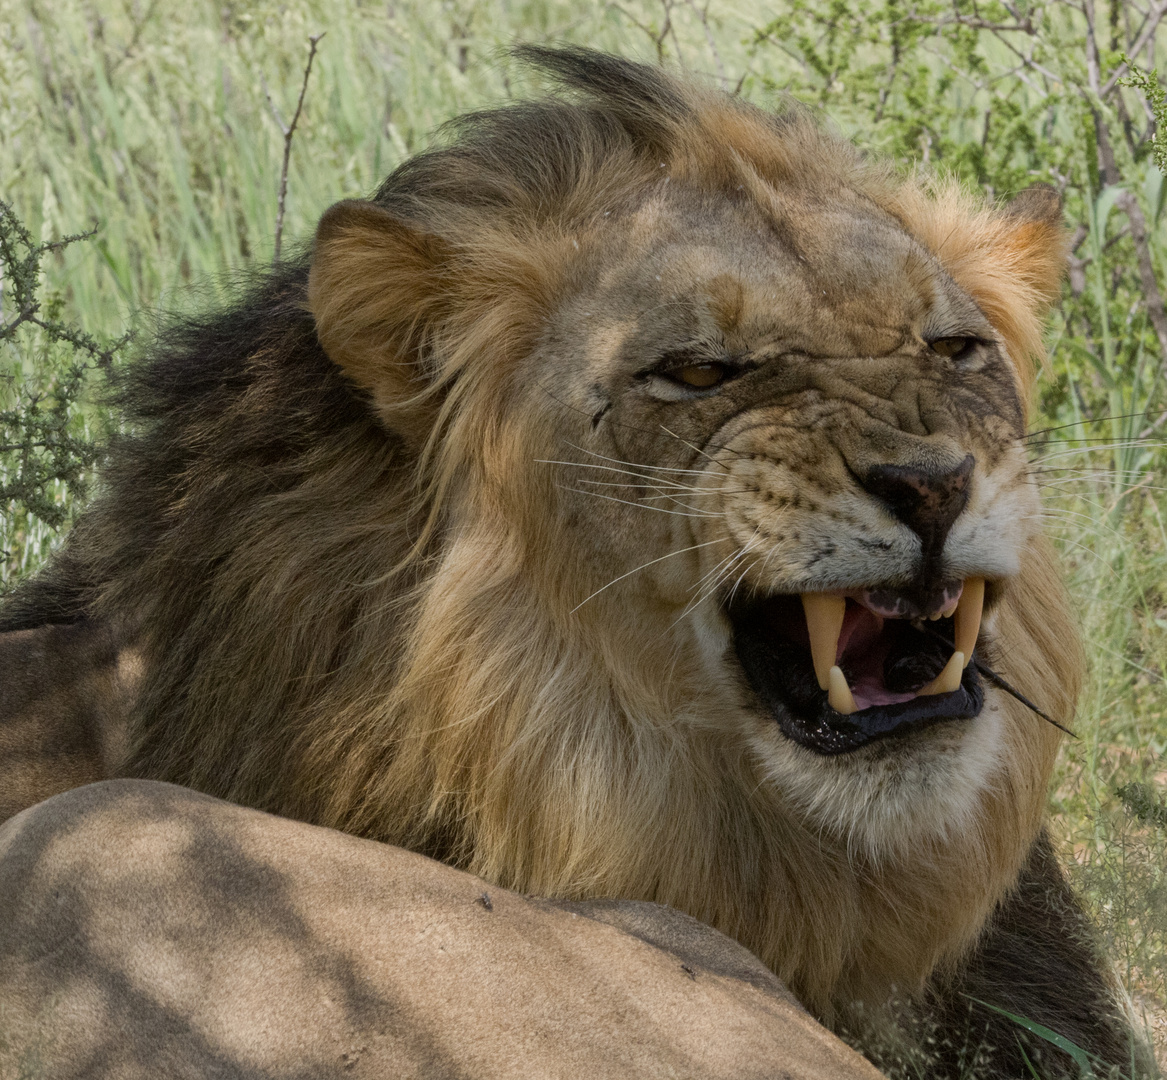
<point>839,695</point>
<point>949,679</point>
<point>824,620</point>
<point>966,624</point>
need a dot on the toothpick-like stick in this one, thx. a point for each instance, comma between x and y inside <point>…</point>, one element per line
<point>996,679</point>
<point>1002,684</point>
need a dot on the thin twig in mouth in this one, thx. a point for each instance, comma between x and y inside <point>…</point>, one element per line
<point>1002,684</point>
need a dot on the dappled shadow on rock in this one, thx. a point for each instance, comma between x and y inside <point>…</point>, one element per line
<point>146,930</point>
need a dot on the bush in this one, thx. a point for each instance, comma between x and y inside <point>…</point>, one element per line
<point>45,446</point>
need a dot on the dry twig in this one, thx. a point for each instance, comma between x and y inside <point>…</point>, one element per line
<point>1109,173</point>
<point>1155,17</point>
<point>289,131</point>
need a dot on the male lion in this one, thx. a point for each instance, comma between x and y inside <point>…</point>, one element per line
<point>608,507</point>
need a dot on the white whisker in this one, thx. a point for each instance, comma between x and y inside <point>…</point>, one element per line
<point>643,566</point>
<point>653,480</point>
<point>697,449</point>
<point>694,512</point>
<point>633,464</point>
<point>721,572</point>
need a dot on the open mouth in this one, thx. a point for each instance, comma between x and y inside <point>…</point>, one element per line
<point>838,670</point>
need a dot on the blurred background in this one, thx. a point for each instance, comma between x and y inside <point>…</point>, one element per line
<point>157,127</point>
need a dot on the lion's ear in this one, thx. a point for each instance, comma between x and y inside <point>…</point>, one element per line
<point>1011,260</point>
<point>1033,246</point>
<point>375,292</point>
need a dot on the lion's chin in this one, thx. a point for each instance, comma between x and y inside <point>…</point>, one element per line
<point>903,671</point>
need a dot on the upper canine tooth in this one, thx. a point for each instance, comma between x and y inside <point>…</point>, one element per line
<point>966,623</point>
<point>839,696</point>
<point>949,679</point>
<point>824,621</point>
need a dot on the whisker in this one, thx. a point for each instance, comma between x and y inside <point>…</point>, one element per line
<point>643,506</point>
<point>1092,553</point>
<point>719,491</point>
<point>1102,445</point>
<point>643,566</point>
<point>1077,475</point>
<point>698,450</point>
<point>740,579</point>
<point>723,570</point>
<point>1083,423</point>
<point>634,464</point>
<point>684,489</point>
<point>716,570</point>
<point>612,469</point>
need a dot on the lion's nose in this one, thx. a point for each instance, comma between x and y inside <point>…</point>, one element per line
<point>927,501</point>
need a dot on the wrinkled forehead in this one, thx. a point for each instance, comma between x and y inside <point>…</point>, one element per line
<point>819,275</point>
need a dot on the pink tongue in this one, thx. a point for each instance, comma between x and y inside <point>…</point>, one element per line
<point>867,693</point>
<point>864,653</point>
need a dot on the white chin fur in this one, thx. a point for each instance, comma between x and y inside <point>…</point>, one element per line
<point>895,793</point>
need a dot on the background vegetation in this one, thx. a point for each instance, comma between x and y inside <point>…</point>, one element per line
<point>158,125</point>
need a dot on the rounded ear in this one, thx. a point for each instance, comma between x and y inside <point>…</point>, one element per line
<point>375,291</point>
<point>1038,202</point>
<point>1037,244</point>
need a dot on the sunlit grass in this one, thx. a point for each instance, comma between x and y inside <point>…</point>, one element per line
<point>1116,555</point>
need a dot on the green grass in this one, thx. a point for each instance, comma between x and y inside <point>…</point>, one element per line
<point>150,121</point>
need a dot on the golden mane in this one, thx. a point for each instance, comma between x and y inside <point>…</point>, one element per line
<point>383,633</point>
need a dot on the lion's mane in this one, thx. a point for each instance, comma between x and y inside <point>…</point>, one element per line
<point>327,541</point>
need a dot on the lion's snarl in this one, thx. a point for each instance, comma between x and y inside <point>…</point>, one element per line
<point>482,530</point>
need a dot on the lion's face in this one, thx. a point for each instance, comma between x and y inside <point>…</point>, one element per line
<point>744,408</point>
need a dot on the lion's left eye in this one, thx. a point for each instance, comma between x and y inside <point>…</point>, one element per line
<point>953,347</point>
<point>700,376</point>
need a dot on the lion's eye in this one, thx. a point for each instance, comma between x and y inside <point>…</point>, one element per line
<point>700,376</point>
<point>953,347</point>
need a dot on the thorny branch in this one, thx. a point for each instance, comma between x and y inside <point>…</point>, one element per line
<point>1154,18</point>
<point>41,450</point>
<point>289,131</point>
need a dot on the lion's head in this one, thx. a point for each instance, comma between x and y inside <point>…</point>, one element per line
<point>629,397</point>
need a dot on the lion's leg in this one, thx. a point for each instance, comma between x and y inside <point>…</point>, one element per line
<point>63,696</point>
<point>148,930</point>
<point>1038,959</point>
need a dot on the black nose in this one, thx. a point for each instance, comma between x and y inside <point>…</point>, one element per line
<point>927,501</point>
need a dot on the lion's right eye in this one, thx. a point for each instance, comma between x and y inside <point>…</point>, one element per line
<point>700,376</point>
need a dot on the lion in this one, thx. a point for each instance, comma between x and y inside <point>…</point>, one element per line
<point>630,500</point>
<point>334,956</point>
